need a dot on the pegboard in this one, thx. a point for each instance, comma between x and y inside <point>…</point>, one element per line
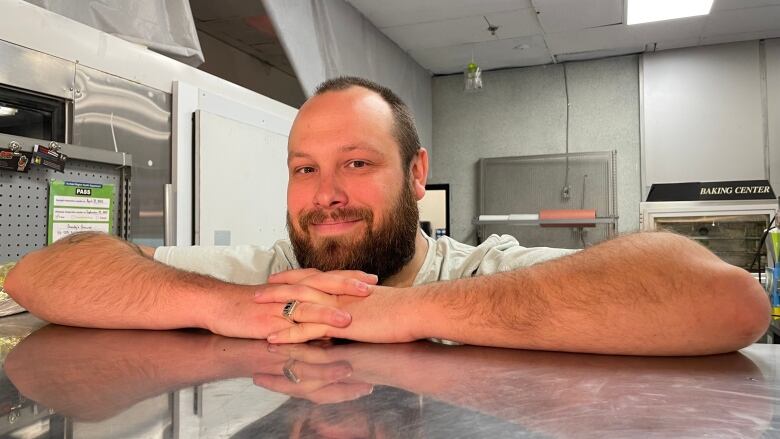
<point>24,203</point>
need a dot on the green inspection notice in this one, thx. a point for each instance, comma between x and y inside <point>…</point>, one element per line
<point>79,207</point>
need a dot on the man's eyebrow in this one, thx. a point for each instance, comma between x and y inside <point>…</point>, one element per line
<point>345,148</point>
<point>369,148</point>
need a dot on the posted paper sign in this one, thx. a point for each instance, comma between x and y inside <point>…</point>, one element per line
<point>79,207</point>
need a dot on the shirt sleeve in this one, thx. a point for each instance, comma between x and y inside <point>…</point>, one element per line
<point>496,254</point>
<point>245,264</point>
<point>509,255</point>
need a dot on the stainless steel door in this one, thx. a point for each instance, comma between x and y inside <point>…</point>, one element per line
<point>117,114</point>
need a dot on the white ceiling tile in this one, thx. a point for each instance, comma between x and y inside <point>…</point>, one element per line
<point>441,34</point>
<point>465,30</point>
<point>720,5</point>
<point>489,55</point>
<point>567,15</point>
<point>623,36</point>
<point>399,12</point>
<point>581,56</point>
<point>674,44</point>
<point>742,20</point>
<point>746,36</point>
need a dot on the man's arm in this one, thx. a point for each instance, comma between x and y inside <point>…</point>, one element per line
<point>642,294</point>
<point>96,280</point>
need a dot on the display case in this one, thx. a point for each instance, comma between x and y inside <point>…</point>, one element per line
<point>732,229</point>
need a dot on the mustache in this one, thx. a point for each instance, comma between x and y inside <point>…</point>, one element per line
<point>318,216</point>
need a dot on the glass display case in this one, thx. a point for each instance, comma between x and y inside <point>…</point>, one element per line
<point>730,229</point>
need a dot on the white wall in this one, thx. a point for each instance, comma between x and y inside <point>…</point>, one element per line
<point>523,112</point>
<point>702,114</point>
<point>772,50</point>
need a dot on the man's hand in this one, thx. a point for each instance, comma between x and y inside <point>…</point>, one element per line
<point>239,316</point>
<point>332,283</point>
<point>388,315</point>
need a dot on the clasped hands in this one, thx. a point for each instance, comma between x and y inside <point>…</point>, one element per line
<point>340,304</point>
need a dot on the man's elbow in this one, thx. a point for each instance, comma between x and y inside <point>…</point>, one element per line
<point>744,302</point>
<point>13,284</point>
<point>19,282</point>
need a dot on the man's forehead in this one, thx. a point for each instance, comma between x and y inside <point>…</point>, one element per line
<point>348,119</point>
<point>355,103</point>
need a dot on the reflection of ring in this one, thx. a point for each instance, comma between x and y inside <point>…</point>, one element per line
<point>289,309</point>
<point>288,372</point>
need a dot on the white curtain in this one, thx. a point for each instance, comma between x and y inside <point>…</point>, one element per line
<point>164,26</point>
<point>328,38</point>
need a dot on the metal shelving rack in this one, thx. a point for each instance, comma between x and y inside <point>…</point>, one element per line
<point>24,197</point>
<point>530,184</point>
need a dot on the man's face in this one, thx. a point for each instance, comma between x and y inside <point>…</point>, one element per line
<point>350,201</point>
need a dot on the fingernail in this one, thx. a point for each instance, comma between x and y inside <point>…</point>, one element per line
<point>375,278</point>
<point>343,317</point>
<point>361,286</point>
<point>271,347</point>
<point>271,339</point>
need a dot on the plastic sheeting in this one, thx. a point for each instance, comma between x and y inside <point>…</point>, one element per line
<point>164,26</point>
<point>328,38</point>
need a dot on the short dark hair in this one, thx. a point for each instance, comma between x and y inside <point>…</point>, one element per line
<point>405,132</point>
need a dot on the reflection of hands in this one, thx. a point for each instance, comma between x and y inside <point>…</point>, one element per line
<point>238,316</point>
<point>308,371</point>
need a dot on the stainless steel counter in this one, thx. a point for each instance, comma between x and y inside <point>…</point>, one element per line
<point>71,382</point>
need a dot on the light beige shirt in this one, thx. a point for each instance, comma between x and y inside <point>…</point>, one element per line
<point>446,259</point>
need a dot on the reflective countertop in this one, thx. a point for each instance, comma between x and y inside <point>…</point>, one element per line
<point>85,383</point>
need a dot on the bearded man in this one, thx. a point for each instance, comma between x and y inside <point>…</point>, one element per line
<point>357,265</point>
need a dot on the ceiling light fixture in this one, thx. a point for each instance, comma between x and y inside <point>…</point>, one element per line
<point>646,11</point>
<point>8,111</point>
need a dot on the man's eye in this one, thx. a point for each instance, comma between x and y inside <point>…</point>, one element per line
<point>305,170</point>
<point>357,164</point>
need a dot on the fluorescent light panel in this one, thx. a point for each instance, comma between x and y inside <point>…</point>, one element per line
<point>8,111</point>
<point>646,11</point>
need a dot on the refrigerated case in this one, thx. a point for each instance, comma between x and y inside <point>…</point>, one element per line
<point>731,229</point>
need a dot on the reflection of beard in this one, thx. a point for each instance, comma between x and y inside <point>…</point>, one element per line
<point>383,250</point>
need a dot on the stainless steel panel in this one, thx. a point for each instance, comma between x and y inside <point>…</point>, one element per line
<point>407,390</point>
<point>120,115</point>
<point>31,70</point>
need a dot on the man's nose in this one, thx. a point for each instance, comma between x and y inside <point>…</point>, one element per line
<point>329,193</point>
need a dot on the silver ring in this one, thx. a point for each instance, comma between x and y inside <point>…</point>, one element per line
<point>288,372</point>
<point>289,309</point>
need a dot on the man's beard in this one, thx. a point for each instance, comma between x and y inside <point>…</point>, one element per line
<point>382,251</point>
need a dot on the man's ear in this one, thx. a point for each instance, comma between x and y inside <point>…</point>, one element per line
<point>419,173</point>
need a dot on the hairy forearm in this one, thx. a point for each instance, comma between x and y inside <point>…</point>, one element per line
<point>95,280</point>
<point>645,294</point>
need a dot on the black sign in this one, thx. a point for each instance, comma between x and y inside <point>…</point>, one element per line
<point>712,190</point>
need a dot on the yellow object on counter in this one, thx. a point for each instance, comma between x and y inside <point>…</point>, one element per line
<point>4,269</point>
